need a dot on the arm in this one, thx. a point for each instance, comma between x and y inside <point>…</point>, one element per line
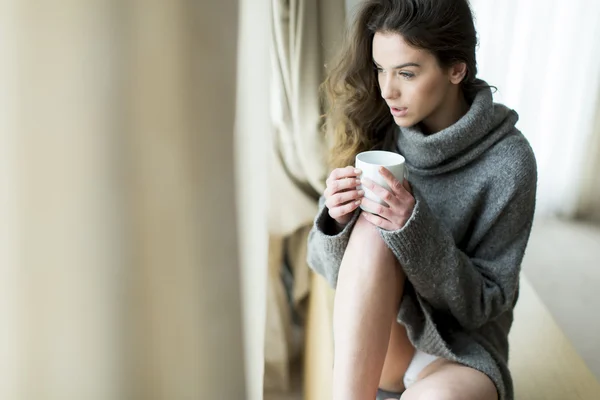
<point>327,243</point>
<point>475,288</point>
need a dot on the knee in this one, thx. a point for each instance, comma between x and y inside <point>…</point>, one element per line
<point>366,236</point>
<point>365,239</point>
<point>365,229</point>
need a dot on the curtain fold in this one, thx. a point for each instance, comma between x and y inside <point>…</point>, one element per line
<point>253,133</point>
<point>304,36</point>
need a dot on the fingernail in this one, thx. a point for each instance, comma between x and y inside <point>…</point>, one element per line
<point>357,171</point>
<point>361,192</point>
<point>358,182</point>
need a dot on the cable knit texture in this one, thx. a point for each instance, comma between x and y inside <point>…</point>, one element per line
<point>474,184</point>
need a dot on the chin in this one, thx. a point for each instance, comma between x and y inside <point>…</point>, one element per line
<point>405,122</point>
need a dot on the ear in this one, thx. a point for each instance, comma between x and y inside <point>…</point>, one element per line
<point>457,72</point>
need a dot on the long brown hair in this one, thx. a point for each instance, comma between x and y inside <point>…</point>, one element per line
<point>358,119</point>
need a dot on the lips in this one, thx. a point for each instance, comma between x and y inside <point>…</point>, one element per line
<point>398,111</point>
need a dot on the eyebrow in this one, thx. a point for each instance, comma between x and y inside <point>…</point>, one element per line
<point>408,64</point>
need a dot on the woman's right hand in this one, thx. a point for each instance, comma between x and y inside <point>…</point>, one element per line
<point>341,195</point>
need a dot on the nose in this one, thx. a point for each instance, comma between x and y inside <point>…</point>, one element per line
<point>388,90</point>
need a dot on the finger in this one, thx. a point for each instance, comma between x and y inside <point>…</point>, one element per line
<point>341,185</point>
<point>377,221</point>
<point>340,211</point>
<point>392,182</point>
<point>339,173</point>
<point>376,208</point>
<point>381,192</point>
<point>407,186</point>
<point>344,197</point>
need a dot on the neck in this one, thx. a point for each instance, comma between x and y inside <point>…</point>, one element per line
<point>452,109</point>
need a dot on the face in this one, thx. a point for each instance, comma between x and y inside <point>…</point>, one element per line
<point>412,83</point>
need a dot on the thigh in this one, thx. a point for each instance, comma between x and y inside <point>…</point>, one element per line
<point>447,380</point>
<point>399,354</point>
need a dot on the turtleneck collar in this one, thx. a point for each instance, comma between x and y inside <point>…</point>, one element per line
<point>484,124</point>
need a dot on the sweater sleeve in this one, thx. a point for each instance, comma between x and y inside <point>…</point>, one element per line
<point>474,287</point>
<point>326,244</point>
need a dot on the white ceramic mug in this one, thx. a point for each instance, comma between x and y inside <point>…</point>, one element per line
<point>369,163</point>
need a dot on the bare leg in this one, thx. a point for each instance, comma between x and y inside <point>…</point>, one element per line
<point>399,355</point>
<point>444,379</point>
<point>368,294</point>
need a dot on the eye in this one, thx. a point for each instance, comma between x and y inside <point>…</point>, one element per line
<point>407,75</point>
<point>379,70</point>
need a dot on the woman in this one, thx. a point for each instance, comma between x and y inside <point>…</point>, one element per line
<point>426,286</point>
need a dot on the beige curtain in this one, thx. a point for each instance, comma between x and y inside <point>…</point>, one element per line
<point>70,256</point>
<point>305,35</point>
<point>9,332</point>
<point>126,215</point>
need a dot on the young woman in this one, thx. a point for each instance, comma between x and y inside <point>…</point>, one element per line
<point>425,286</point>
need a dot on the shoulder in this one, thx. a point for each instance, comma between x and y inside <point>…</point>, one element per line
<point>514,153</point>
<point>511,163</point>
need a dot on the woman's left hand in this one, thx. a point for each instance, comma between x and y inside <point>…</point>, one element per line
<point>400,200</point>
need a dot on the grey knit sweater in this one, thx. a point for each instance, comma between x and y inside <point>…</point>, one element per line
<point>474,185</point>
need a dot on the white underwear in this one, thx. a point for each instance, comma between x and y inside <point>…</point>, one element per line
<point>419,362</point>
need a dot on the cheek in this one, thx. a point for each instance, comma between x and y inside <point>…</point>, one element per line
<point>427,94</point>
